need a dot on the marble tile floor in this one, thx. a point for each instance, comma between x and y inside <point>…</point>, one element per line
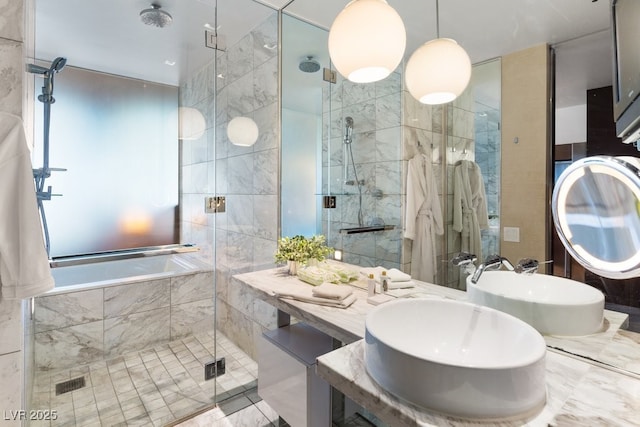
<point>153,387</point>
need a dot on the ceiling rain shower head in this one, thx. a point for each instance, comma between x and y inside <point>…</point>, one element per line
<point>309,65</point>
<point>155,17</point>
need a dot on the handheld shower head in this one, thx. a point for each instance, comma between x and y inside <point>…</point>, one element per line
<point>58,64</point>
<point>47,88</point>
<point>348,133</point>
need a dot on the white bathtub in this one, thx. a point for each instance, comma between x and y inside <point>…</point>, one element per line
<point>105,273</point>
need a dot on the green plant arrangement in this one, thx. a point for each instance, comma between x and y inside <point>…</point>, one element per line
<point>300,249</point>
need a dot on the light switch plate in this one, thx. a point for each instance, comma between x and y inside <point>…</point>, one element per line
<point>511,234</point>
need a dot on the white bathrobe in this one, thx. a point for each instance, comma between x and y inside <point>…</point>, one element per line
<point>469,206</point>
<point>423,218</point>
<point>24,265</point>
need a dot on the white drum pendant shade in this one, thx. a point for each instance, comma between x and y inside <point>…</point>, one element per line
<point>242,131</point>
<point>438,71</point>
<point>367,41</point>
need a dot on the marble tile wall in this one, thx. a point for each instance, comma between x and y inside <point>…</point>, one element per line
<point>11,98</point>
<point>242,81</point>
<point>87,326</point>
<point>377,154</point>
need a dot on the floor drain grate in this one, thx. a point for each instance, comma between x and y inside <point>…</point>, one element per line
<point>71,385</point>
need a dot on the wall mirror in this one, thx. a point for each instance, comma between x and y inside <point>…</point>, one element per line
<point>346,149</point>
<point>467,129</point>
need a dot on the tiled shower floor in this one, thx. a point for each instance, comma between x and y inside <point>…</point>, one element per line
<point>153,387</point>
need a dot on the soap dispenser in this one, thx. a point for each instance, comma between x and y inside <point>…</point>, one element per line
<point>371,286</point>
<point>384,281</point>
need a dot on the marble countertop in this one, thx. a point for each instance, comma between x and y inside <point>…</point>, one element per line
<point>573,379</point>
<point>578,394</point>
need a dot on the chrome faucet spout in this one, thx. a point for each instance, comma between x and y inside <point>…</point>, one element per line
<point>492,262</point>
<point>465,261</point>
<point>463,258</point>
<point>527,266</point>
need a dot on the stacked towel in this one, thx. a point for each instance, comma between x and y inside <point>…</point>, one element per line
<point>306,294</point>
<point>331,291</point>
<point>316,276</point>
<point>346,274</point>
<point>396,278</point>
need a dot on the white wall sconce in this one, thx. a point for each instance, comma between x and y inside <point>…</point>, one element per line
<point>367,40</point>
<point>242,131</point>
<point>191,123</point>
<point>438,71</point>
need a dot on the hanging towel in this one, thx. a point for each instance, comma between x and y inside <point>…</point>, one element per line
<point>331,291</point>
<point>423,218</point>
<point>304,294</point>
<point>24,265</point>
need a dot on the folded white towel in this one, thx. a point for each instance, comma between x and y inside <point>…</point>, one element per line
<point>305,295</point>
<point>394,274</point>
<point>331,291</point>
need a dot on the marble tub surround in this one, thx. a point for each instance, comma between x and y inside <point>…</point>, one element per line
<point>74,328</point>
<point>578,394</point>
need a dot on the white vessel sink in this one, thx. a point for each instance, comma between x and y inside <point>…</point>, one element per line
<point>456,358</point>
<point>553,305</point>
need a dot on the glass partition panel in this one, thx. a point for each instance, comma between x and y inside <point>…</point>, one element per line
<point>117,138</point>
<point>473,169</point>
<point>341,152</point>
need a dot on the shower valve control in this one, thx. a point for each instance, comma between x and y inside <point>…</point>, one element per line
<point>329,202</point>
<point>216,204</point>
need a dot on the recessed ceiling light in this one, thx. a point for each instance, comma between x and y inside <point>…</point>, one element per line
<point>220,76</point>
<point>270,46</point>
<point>171,63</point>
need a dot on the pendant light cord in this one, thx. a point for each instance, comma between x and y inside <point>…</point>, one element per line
<point>437,20</point>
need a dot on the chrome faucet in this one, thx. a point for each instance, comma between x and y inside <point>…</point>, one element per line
<point>463,258</point>
<point>465,261</point>
<point>492,262</point>
<point>527,266</point>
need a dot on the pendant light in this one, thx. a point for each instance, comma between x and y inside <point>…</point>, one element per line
<point>367,40</point>
<point>242,131</point>
<point>191,123</point>
<point>439,70</point>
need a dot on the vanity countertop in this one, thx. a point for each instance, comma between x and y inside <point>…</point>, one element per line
<point>578,393</point>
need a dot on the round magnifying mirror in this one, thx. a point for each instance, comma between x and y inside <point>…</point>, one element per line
<point>596,211</point>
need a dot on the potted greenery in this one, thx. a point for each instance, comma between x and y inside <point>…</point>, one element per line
<point>298,250</point>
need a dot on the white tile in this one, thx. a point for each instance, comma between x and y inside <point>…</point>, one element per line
<point>138,297</point>
<point>135,331</point>
<point>74,308</point>
<point>11,373</point>
<point>68,347</point>
<point>192,287</point>
<point>11,70</point>
<point>10,325</point>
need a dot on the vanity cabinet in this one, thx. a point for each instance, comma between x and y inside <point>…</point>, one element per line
<point>287,378</point>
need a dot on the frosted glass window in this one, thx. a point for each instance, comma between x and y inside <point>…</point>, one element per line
<point>118,140</point>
